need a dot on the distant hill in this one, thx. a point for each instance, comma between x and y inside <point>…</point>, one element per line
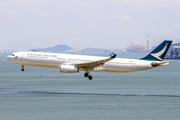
<point>66,49</point>
<point>57,49</point>
<point>94,50</point>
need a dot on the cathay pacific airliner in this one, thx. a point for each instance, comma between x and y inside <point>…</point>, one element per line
<point>68,63</point>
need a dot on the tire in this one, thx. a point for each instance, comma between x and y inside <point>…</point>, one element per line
<point>90,77</point>
<point>85,74</point>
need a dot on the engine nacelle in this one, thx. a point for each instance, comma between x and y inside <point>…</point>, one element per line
<point>69,69</point>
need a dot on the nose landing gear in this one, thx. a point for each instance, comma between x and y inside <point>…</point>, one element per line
<point>22,68</point>
<point>88,75</point>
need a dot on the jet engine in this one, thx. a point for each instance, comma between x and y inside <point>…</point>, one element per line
<point>69,69</point>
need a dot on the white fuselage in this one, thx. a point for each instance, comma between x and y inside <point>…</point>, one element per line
<point>55,60</point>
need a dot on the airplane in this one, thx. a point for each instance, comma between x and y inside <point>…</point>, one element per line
<point>68,63</point>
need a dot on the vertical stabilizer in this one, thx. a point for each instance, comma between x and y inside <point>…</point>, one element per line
<point>159,52</point>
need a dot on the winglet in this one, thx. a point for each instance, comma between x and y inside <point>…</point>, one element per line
<point>159,52</point>
<point>113,55</point>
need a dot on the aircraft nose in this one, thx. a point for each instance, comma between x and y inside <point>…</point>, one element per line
<point>8,57</point>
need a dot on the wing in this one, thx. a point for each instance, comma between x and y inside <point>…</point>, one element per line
<point>93,64</point>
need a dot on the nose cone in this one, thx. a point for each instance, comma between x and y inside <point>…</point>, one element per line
<point>9,57</point>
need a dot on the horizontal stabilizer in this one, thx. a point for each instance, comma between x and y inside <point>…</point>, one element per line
<point>156,64</point>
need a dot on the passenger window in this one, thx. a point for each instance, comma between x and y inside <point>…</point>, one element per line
<point>12,54</point>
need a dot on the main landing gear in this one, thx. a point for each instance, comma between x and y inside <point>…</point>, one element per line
<point>88,75</point>
<point>22,68</point>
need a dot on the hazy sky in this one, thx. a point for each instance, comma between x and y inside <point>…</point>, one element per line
<point>87,23</point>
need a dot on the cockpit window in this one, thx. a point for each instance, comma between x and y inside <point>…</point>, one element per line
<point>12,54</point>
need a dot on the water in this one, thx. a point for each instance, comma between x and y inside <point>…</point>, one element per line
<point>45,93</point>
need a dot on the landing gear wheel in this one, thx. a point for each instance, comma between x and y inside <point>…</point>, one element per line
<point>85,74</point>
<point>22,68</point>
<point>90,77</point>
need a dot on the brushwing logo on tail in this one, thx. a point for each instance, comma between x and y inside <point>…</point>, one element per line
<point>157,55</point>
